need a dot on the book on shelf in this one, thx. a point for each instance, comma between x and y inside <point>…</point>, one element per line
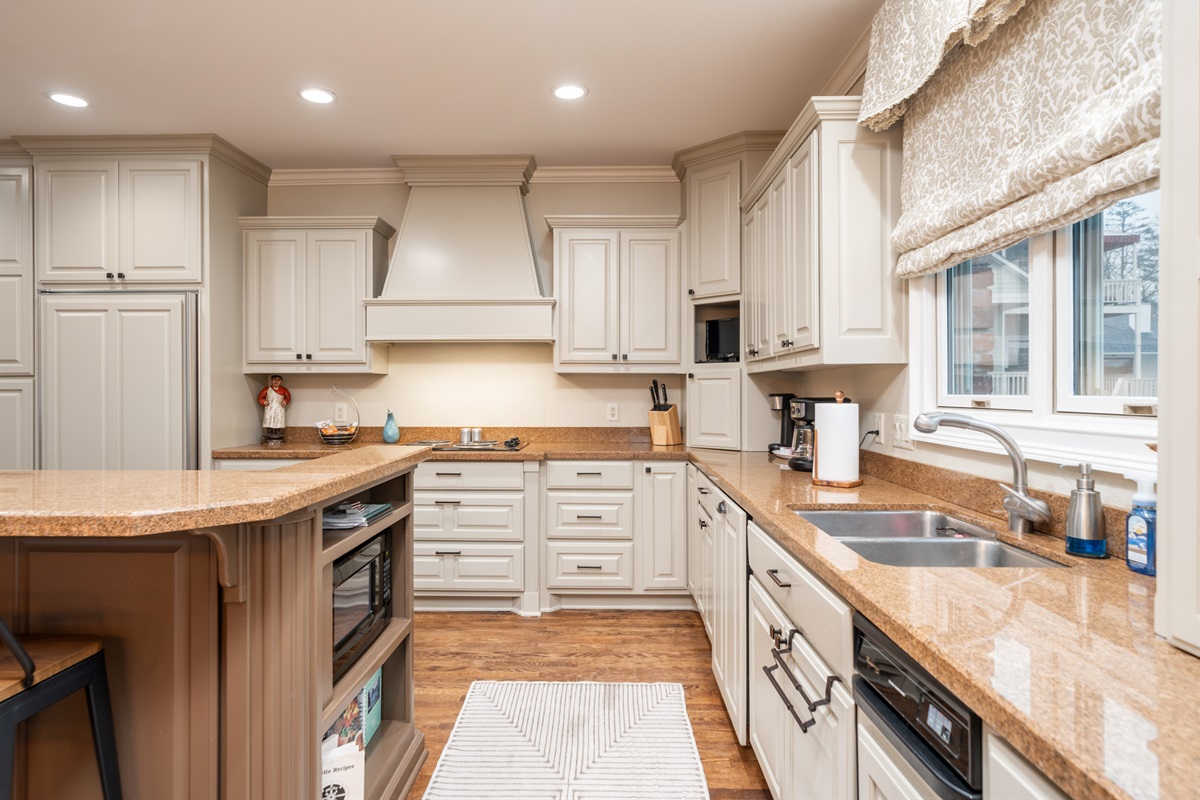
<point>353,515</point>
<point>361,717</point>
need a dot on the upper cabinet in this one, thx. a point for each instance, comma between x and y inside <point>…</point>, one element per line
<point>820,277</point>
<point>118,221</point>
<point>306,280</point>
<point>16,272</point>
<point>619,295</point>
<point>714,258</point>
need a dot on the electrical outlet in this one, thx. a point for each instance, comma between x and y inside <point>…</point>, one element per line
<point>878,423</point>
<point>901,437</point>
<point>613,413</point>
<point>339,412</point>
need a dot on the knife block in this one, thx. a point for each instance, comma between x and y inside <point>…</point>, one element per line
<point>664,426</point>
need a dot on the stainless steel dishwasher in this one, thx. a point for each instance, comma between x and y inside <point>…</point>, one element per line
<point>929,743</point>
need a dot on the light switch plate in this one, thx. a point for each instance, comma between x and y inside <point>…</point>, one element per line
<point>901,437</point>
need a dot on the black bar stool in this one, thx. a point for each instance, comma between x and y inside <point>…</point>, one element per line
<point>65,664</point>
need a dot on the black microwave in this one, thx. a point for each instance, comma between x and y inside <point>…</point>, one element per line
<point>721,339</point>
<point>362,599</point>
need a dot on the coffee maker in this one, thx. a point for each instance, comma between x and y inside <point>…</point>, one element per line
<point>802,411</point>
<point>781,402</point>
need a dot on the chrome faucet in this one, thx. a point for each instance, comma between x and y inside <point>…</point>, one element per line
<point>1023,510</point>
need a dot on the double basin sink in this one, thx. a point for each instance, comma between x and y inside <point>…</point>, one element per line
<point>920,539</point>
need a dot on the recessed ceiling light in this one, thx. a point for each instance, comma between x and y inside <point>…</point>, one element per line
<point>570,91</point>
<point>318,95</point>
<point>68,100</point>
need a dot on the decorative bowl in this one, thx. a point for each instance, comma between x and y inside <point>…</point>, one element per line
<point>336,434</point>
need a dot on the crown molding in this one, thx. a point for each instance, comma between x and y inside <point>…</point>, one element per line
<point>604,175</point>
<point>611,221</point>
<point>164,144</point>
<point>467,170</point>
<point>724,149</point>
<point>337,177</point>
<point>377,224</point>
<point>13,153</point>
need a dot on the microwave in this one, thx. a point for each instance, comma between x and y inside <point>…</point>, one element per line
<point>721,339</point>
<point>362,599</point>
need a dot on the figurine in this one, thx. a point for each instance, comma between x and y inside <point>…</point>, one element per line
<point>273,399</point>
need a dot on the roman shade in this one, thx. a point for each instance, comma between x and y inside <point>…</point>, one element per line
<point>1052,119</point>
<point>908,41</point>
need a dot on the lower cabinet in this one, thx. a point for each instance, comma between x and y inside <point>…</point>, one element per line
<point>726,601</point>
<point>1008,776</point>
<point>16,423</point>
<point>469,567</point>
<point>883,774</point>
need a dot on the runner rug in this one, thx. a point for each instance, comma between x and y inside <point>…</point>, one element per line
<point>570,741</point>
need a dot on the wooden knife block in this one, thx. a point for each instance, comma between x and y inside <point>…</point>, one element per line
<point>664,426</point>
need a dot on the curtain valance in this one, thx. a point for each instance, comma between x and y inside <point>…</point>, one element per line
<point>1054,118</point>
<point>909,38</point>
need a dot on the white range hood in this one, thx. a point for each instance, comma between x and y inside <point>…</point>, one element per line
<point>463,268</point>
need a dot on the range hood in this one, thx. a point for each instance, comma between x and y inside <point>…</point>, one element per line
<point>463,268</point>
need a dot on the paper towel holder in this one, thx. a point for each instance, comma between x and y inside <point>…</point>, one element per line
<point>839,397</point>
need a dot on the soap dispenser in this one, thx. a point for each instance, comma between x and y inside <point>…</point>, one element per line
<point>1085,518</point>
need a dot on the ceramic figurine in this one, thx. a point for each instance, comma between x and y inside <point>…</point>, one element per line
<point>274,398</point>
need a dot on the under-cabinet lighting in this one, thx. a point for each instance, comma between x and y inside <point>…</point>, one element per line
<point>570,91</point>
<point>321,96</point>
<point>68,100</point>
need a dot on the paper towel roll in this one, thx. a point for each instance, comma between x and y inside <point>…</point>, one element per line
<point>837,443</point>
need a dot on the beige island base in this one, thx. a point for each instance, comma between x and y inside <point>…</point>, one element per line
<point>210,590</point>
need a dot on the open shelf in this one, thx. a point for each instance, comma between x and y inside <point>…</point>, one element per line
<point>397,630</point>
<point>336,543</point>
<point>394,744</point>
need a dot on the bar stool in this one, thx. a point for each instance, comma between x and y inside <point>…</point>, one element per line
<point>65,664</point>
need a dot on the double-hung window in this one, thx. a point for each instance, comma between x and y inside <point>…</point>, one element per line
<point>1054,338</point>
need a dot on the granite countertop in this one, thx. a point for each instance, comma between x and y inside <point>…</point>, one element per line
<point>533,451</point>
<point>1063,663</point>
<point>143,502</point>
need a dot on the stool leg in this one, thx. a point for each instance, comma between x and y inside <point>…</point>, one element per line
<point>103,735</point>
<point>8,747</point>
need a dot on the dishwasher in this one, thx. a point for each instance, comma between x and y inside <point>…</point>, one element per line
<point>915,738</point>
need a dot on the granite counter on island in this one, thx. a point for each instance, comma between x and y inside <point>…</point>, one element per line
<point>211,591</point>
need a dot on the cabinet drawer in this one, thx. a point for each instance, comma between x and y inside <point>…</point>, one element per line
<point>589,566</point>
<point>589,475</point>
<point>812,607</point>
<point>480,516</point>
<point>452,566</point>
<point>590,515</point>
<point>469,475</point>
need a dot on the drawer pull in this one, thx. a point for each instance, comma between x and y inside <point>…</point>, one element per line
<point>447,502</point>
<point>588,566</point>
<point>721,507</point>
<point>447,552</point>
<point>589,474</point>
<point>775,577</point>
<point>703,524</point>
<point>588,516</point>
<point>701,490</point>
<point>448,474</point>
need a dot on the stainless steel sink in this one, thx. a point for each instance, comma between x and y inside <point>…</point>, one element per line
<point>892,524</point>
<point>920,539</point>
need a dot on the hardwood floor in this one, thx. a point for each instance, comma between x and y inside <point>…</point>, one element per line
<point>453,649</point>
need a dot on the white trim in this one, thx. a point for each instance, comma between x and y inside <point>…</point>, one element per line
<point>336,177</point>
<point>611,221</point>
<point>604,175</point>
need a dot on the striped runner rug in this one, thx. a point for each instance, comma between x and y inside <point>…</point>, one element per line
<point>536,740</point>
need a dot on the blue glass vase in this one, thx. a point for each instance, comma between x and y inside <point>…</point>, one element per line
<point>391,433</point>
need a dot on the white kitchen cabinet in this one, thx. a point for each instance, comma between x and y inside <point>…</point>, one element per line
<point>306,280</point>
<point>103,220</point>
<point>728,605</point>
<point>662,546</point>
<point>703,510</point>
<point>1008,776</point>
<point>819,266</point>
<point>714,248</point>
<point>883,773</point>
<point>115,380</point>
<point>619,294</point>
<point>17,423</point>
<point>714,407</point>
<point>16,274</point>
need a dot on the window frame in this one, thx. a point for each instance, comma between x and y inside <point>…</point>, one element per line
<point>1047,432</point>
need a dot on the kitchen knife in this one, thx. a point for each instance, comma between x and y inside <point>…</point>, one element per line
<point>654,391</point>
<point>653,398</point>
<point>666,405</point>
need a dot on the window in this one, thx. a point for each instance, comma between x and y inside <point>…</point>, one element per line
<point>1054,338</point>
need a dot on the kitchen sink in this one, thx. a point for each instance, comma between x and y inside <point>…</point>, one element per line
<point>920,539</point>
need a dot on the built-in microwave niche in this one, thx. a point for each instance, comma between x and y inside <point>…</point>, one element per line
<point>717,333</point>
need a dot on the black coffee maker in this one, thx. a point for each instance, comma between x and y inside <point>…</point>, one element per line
<point>802,411</point>
<point>781,402</point>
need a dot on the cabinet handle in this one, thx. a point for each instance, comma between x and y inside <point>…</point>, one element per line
<point>624,356</point>
<point>446,502</point>
<point>691,375</point>
<point>703,524</point>
<point>588,516</point>
<point>614,356</point>
<point>701,490</point>
<point>589,473</point>
<point>647,470</point>
<point>804,725</point>
<point>447,552</point>
<point>775,577</point>
<point>691,291</point>
<point>109,275</point>
<point>588,566</point>
<point>299,357</point>
<point>308,356</point>
<point>120,276</point>
<point>448,474</point>
<point>721,507</point>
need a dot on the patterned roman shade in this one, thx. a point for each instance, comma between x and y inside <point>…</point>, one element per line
<point>1052,119</point>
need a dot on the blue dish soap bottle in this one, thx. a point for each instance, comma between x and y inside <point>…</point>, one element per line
<point>391,433</point>
<point>1141,525</point>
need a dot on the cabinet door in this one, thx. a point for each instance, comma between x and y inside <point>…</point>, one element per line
<point>714,402</point>
<point>778,279</point>
<point>662,535</point>
<point>882,773</point>
<point>160,218</point>
<point>76,221</point>
<point>729,611</point>
<point>764,281</point>
<point>770,724</point>
<point>1007,775</point>
<point>693,532</point>
<point>16,423</point>
<point>714,261</point>
<point>750,270</point>
<point>113,382</point>
<point>800,303</point>
<point>16,272</point>
<point>275,296</point>
<point>335,285</point>
<point>588,287</point>
<point>650,297</point>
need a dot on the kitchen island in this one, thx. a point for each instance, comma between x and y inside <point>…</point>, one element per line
<point>210,590</point>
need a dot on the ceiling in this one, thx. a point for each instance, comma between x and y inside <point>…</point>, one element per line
<point>422,78</point>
